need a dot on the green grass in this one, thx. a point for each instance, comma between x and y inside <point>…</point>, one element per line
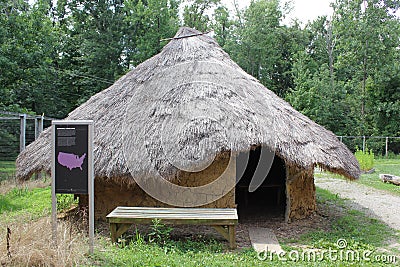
<point>362,234</point>
<point>7,166</point>
<point>24,202</point>
<point>7,169</point>
<point>352,225</point>
<point>154,255</point>
<point>391,166</point>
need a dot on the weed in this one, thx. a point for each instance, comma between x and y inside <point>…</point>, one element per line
<point>366,159</point>
<point>139,239</point>
<point>20,192</point>
<point>159,233</point>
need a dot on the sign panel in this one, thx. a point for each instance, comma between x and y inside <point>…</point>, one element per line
<point>71,158</point>
<point>72,167</point>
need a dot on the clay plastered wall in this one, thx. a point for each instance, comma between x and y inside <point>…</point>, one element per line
<point>300,193</point>
<point>109,194</point>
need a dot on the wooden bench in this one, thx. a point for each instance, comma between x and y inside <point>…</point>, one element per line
<point>222,220</point>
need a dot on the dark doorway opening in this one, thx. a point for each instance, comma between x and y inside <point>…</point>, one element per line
<point>269,199</point>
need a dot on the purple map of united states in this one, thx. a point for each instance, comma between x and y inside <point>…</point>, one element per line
<point>70,161</point>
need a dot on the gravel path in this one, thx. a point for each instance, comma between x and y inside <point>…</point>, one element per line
<point>376,203</point>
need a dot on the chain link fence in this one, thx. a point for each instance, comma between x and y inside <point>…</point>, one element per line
<point>385,146</point>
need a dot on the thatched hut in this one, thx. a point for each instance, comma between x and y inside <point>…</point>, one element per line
<point>180,120</point>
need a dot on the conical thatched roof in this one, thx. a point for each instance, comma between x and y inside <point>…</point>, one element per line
<point>187,103</point>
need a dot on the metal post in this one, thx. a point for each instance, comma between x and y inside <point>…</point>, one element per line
<point>364,144</point>
<point>386,147</point>
<point>22,118</point>
<point>341,138</point>
<point>91,188</point>
<point>53,187</point>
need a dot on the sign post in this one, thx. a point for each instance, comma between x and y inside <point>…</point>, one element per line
<point>72,167</point>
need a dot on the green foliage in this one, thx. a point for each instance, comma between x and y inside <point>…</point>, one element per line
<point>366,159</point>
<point>222,25</point>
<point>391,155</point>
<point>195,13</point>
<point>65,201</point>
<point>159,233</point>
<point>263,47</point>
<point>56,55</point>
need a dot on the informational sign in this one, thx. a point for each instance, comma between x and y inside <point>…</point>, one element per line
<point>72,167</point>
<point>71,162</point>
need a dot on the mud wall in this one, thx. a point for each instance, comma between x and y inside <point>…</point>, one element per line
<point>300,193</point>
<point>110,194</point>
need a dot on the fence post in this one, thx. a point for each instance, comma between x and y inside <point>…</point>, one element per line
<point>38,130</point>
<point>38,126</point>
<point>22,118</point>
<point>341,139</point>
<point>386,146</point>
<point>41,124</point>
<point>364,144</point>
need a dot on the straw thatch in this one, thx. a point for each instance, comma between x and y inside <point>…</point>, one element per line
<point>182,107</point>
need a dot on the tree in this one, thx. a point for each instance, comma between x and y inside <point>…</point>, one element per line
<point>222,25</point>
<point>195,13</point>
<point>367,42</point>
<point>147,23</point>
<point>263,47</point>
<point>28,51</point>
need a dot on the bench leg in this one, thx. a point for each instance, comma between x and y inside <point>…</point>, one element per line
<point>232,236</point>
<point>113,231</point>
<point>228,233</point>
<point>117,230</point>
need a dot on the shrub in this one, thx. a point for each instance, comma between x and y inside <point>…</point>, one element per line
<point>366,159</point>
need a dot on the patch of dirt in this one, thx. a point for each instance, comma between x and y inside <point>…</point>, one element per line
<point>378,204</point>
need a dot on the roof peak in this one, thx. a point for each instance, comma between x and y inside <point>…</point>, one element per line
<point>186,32</point>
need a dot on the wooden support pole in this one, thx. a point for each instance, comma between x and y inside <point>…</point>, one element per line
<point>22,118</point>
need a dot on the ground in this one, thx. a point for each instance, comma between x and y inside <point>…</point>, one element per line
<point>365,217</point>
<point>376,203</point>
